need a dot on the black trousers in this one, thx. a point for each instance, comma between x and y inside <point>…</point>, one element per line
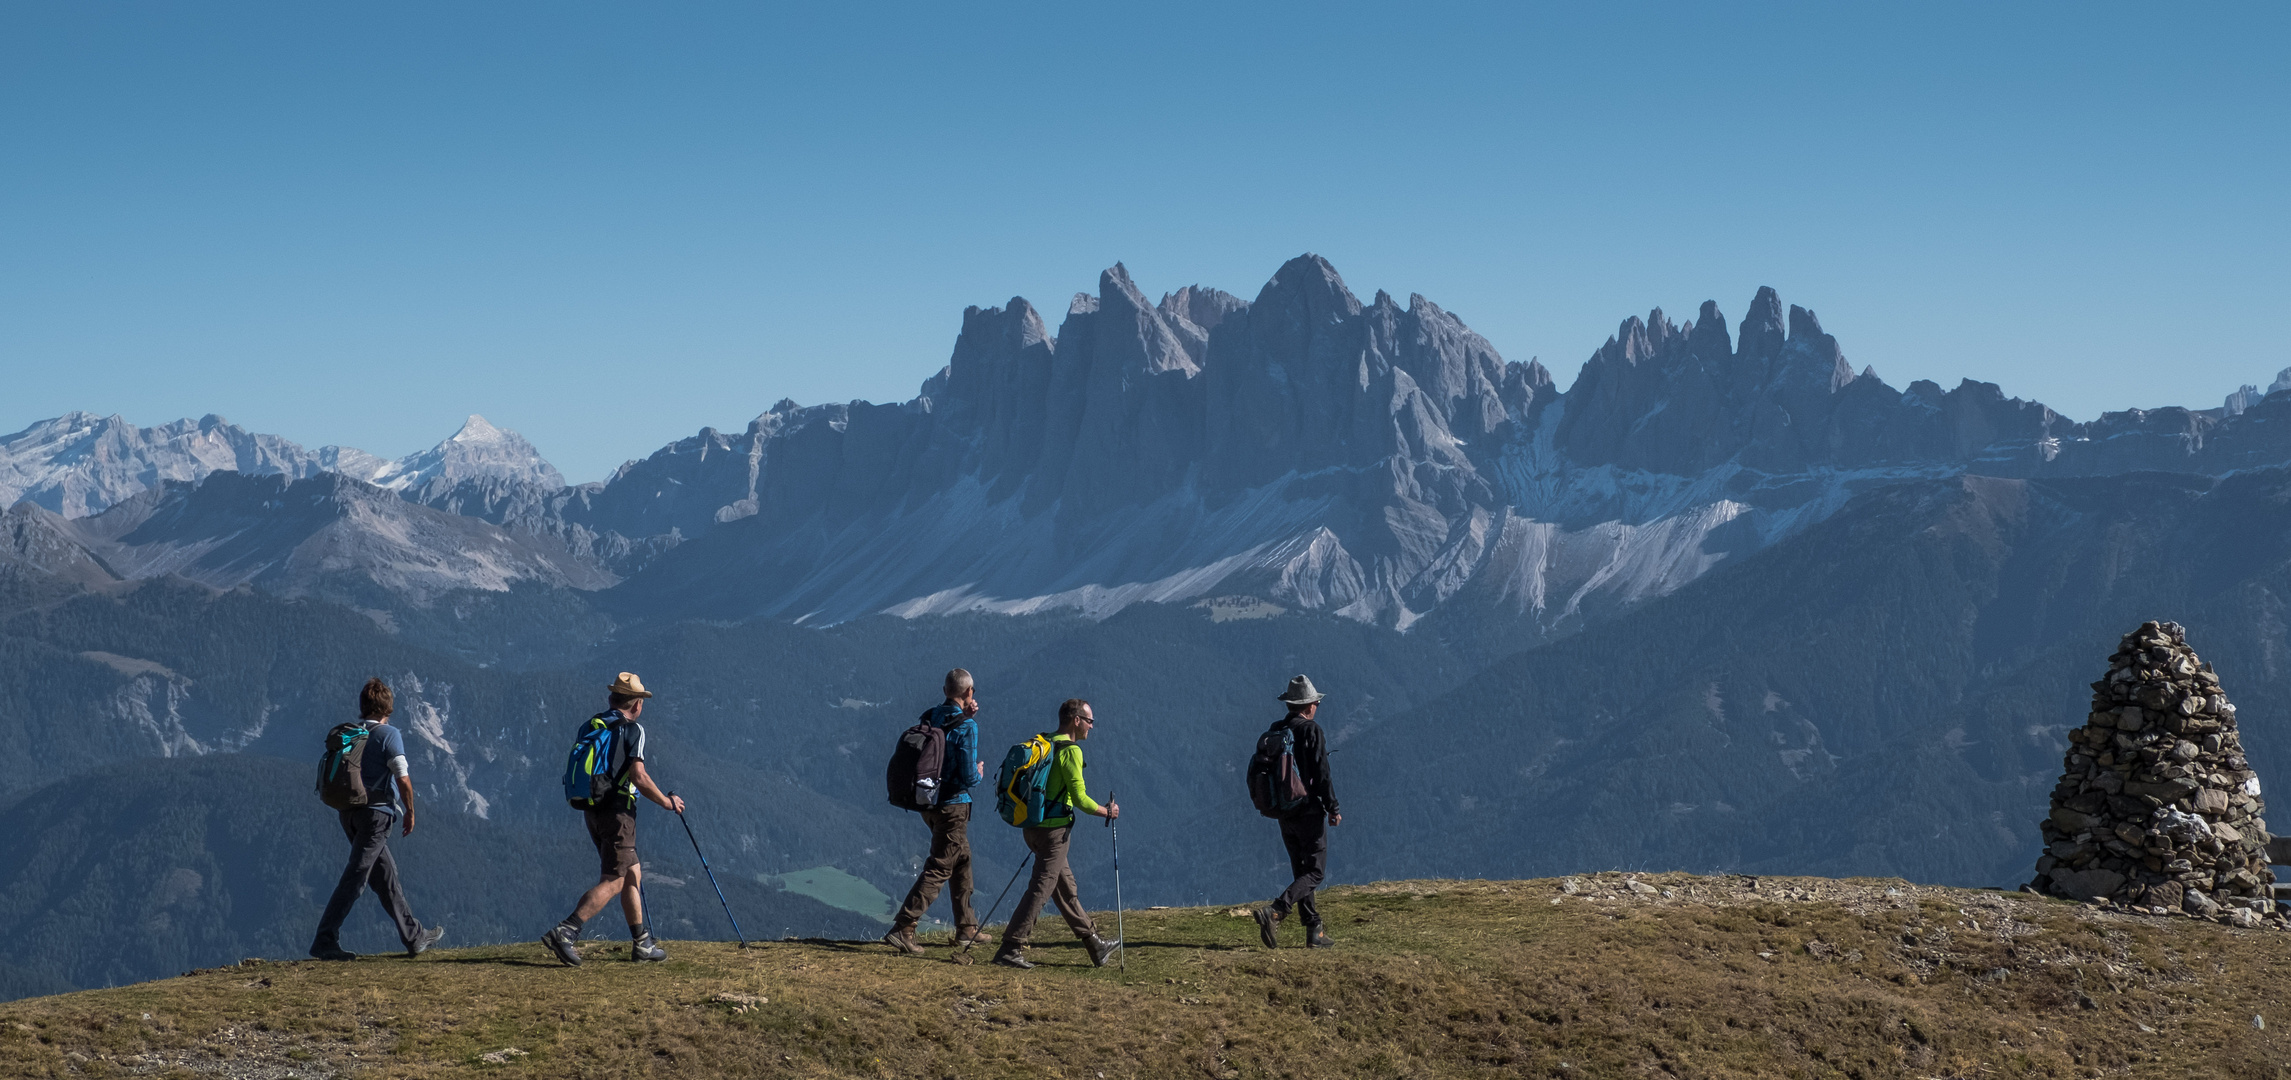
<point>370,865</point>
<point>1306,837</point>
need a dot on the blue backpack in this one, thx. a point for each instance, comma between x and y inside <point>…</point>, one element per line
<point>1018,789</point>
<point>593,772</point>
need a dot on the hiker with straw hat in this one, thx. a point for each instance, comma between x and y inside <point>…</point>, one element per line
<point>1289,781</point>
<point>603,779</point>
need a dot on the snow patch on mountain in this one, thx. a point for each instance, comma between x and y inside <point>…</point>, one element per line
<point>80,464</point>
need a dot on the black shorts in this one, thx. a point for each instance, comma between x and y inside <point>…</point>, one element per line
<point>614,832</point>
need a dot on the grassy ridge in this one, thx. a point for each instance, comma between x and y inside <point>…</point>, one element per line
<point>1657,975</point>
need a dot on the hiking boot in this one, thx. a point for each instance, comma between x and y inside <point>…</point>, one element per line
<point>1268,921</point>
<point>1100,949</point>
<point>330,950</point>
<point>644,948</point>
<point>972,936</point>
<point>565,941</point>
<point>1317,938</point>
<point>902,938</point>
<point>1014,958</point>
<point>424,940</point>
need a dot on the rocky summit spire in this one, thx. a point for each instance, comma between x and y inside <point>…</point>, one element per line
<point>2157,808</point>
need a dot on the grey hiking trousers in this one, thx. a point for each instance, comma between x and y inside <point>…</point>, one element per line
<point>1052,880</point>
<point>370,865</point>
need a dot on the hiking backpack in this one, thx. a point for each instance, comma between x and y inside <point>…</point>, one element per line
<point>593,772</point>
<point>342,768</point>
<point>1275,786</point>
<point>1019,788</point>
<point>917,760</point>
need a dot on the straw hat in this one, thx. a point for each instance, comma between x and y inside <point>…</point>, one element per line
<point>628,685</point>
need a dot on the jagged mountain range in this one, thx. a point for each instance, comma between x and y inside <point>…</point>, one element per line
<point>80,463</point>
<point>1375,460</point>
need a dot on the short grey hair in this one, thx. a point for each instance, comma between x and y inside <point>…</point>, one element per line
<point>959,683</point>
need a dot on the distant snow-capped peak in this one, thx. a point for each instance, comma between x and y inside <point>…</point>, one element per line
<point>478,451</point>
<point>79,463</point>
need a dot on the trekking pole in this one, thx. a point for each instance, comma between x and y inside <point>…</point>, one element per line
<point>1121,935</point>
<point>983,923</point>
<point>711,877</point>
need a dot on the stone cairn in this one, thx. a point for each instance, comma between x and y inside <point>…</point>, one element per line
<point>2157,810</point>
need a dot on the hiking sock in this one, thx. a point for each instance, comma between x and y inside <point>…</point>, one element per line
<point>636,931</point>
<point>571,926</point>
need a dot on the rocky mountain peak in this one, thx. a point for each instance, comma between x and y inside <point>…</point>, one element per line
<point>1136,336</point>
<point>1763,328</point>
<point>1707,337</point>
<point>475,430</point>
<point>1310,287</point>
<point>1203,307</point>
<point>79,464</point>
<point>1803,325</point>
<point>477,452</point>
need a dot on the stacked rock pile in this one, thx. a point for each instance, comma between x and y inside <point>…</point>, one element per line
<point>2157,809</point>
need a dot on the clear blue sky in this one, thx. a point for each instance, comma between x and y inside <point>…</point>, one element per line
<point>609,225</point>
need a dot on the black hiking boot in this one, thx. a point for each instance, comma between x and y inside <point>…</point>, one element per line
<point>330,949</point>
<point>565,941</point>
<point>644,948</point>
<point>424,940</point>
<point>902,938</point>
<point>1100,949</point>
<point>1014,958</point>
<point>1268,921</point>
<point>1317,938</point>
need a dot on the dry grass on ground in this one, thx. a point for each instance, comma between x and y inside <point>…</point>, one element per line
<point>1675,976</point>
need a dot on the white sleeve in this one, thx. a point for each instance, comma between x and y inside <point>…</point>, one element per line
<point>397,765</point>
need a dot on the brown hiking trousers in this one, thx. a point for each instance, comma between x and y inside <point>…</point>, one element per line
<point>948,865</point>
<point>1052,880</point>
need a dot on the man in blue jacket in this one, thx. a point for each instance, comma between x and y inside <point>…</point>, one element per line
<point>949,821</point>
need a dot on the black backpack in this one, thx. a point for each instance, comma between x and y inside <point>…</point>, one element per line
<point>912,778</point>
<point>1275,786</point>
<point>342,768</point>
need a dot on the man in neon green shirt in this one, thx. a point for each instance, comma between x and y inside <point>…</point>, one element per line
<point>1052,879</point>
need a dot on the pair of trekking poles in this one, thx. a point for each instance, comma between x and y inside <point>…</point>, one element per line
<point>1121,933</point>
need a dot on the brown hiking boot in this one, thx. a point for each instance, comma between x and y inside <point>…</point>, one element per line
<point>971,936</point>
<point>902,938</point>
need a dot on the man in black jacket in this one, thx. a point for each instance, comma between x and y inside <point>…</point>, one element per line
<point>1304,830</point>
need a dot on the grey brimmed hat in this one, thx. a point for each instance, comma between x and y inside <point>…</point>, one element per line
<point>1301,692</point>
